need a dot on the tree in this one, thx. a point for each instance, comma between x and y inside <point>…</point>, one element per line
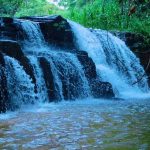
<point>24,7</point>
<point>10,7</point>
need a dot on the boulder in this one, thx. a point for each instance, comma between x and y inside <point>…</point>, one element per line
<point>101,89</point>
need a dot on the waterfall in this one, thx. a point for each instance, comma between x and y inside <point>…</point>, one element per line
<point>34,36</point>
<point>114,61</point>
<point>39,72</point>
<point>19,84</point>
<point>68,76</point>
<point>41,87</point>
<point>70,71</point>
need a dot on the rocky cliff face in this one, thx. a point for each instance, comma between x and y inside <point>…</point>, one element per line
<point>57,32</point>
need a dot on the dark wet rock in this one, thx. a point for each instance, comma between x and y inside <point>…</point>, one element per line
<point>56,30</point>
<point>3,86</point>
<point>49,79</point>
<point>135,41</point>
<point>101,89</point>
<point>145,61</point>
<point>7,20</point>
<point>70,80</point>
<point>140,45</point>
<point>13,49</point>
<point>88,64</point>
<point>10,28</point>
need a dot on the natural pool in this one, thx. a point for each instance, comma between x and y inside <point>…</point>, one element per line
<point>92,124</point>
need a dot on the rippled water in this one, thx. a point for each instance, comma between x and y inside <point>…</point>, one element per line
<point>84,124</point>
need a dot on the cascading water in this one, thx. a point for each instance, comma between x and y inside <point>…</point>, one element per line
<point>123,60</point>
<point>69,78</point>
<point>57,83</point>
<point>21,88</point>
<point>114,61</point>
<point>34,36</point>
<point>70,71</point>
<point>53,74</point>
<point>41,87</point>
<point>33,72</point>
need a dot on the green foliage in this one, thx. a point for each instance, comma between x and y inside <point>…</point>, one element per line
<point>34,8</point>
<point>111,15</point>
<point>104,14</point>
<point>10,7</point>
<point>25,8</point>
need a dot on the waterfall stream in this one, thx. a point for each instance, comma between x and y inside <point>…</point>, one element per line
<point>41,87</point>
<point>33,34</point>
<point>114,61</point>
<point>62,78</point>
<point>21,88</point>
<point>55,74</point>
<point>91,70</point>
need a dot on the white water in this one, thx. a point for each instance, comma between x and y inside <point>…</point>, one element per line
<point>71,69</point>
<point>58,83</point>
<point>21,89</point>
<point>41,87</point>
<point>114,61</point>
<point>34,44</point>
<point>34,36</point>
